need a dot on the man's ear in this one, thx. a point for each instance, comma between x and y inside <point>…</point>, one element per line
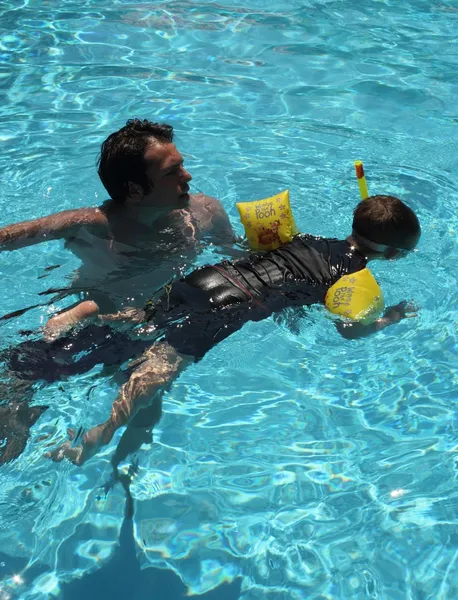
<point>136,192</point>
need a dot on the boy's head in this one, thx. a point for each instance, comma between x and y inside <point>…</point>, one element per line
<point>385,226</point>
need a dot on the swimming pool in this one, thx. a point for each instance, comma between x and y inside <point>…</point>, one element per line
<point>304,465</point>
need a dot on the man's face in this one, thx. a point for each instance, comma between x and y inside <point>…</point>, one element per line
<point>169,180</point>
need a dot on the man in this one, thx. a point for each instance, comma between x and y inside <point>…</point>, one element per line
<point>195,313</point>
<point>150,229</point>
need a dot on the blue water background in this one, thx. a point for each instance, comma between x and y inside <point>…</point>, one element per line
<point>291,466</point>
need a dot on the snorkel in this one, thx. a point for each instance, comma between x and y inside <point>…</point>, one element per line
<point>362,183</point>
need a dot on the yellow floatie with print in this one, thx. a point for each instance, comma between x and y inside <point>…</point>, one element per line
<point>356,296</point>
<point>268,223</point>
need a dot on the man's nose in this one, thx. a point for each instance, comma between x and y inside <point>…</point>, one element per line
<point>186,175</point>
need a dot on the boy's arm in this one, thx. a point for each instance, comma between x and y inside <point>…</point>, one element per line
<point>60,225</point>
<point>392,314</point>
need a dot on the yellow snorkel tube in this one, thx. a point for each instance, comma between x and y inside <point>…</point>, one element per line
<point>362,183</point>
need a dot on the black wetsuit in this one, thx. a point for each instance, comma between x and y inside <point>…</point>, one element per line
<point>195,313</point>
<point>211,303</point>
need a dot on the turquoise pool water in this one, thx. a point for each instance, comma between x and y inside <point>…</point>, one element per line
<point>307,466</point>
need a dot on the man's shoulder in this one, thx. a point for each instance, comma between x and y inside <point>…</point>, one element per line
<point>201,201</point>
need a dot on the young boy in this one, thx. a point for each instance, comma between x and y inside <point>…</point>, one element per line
<point>195,313</point>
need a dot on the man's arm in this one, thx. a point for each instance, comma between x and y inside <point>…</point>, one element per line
<point>392,315</point>
<point>60,225</point>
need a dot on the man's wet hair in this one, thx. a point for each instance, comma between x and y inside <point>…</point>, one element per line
<point>122,155</point>
<point>386,220</point>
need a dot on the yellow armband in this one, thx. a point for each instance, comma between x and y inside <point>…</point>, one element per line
<point>268,223</point>
<point>357,296</point>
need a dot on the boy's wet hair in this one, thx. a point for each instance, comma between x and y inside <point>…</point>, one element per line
<point>386,220</point>
<point>122,156</point>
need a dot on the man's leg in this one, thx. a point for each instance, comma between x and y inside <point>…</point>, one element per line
<point>161,365</point>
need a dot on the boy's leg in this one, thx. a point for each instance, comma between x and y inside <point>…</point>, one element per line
<point>87,312</point>
<point>80,314</point>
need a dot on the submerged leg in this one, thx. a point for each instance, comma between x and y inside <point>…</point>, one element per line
<point>161,365</point>
<point>88,312</point>
<point>80,314</point>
